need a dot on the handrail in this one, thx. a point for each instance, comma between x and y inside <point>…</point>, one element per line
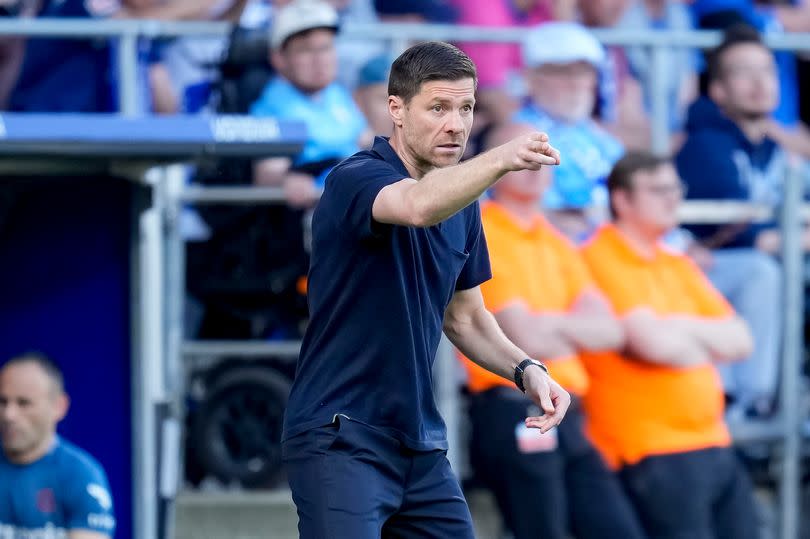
<point>691,212</point>
<point>80,28</point>
<point>86,28</point>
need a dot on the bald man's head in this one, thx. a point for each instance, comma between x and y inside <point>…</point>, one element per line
<point>32,402</point>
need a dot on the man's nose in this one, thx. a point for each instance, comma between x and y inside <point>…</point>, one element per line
<point>454,124</point>
<point>7,412</point>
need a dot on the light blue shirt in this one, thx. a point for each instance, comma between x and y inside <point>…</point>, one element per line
<point>587,155</point>
<point>64,490</point>
<point>334,123</point>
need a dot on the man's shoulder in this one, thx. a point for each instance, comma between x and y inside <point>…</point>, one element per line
<point>276,97</point>
<point>338,92</point>
<point>349,167</point>
<point>604,251</point>
<point>75,462</point>
<point>363,165</point>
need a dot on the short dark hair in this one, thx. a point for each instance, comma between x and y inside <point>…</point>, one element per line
<point>737,34</point>
<point>433,60</point>
<point>48,366</point>
<point>625,169</point>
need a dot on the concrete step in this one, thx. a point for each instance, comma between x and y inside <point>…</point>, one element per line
<point>271,515</point>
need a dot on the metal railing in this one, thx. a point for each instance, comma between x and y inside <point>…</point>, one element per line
<point>398,35</point>
<point>166,222</point>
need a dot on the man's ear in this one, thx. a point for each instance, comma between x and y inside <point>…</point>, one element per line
<point>62,406</point>
<point>717,92</point>
<point>620,200</point>
<point>277,60</point>
<point>396,108</point>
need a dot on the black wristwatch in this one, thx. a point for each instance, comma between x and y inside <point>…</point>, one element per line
<point>521,368</point>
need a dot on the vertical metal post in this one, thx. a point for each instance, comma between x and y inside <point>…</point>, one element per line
<point>141,201</point>
<point>447,399</point>
<point>657,82</point>
<point>128,87</point>
<point>171,455</point>
<point>793,267</point>
<point>148,367</point>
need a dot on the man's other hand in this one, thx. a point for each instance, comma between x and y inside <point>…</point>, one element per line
<point>549,396</point>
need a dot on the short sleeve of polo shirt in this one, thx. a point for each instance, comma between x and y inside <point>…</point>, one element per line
<point>350,191</point>
<point>476,269</point>
<point>90,504</point>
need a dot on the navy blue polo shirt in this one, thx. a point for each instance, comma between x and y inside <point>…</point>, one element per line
<point>377,296</point>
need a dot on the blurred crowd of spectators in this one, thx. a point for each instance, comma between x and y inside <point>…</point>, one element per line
<point>735,123</point>
<point>732,129</point>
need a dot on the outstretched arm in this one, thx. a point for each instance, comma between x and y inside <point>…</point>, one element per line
<point>474,331</point>
<point>444,191</point>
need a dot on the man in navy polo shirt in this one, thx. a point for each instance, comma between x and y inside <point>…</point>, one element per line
<point>398,256</point>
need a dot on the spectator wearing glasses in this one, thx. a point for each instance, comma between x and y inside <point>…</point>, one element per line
<point>655,409</point>
<point>728,155</point>
<point>544,299</point>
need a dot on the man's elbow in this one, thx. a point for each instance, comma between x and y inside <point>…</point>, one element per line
<point>422,218</point>
<point>650,345</point>
<point>422,213</point>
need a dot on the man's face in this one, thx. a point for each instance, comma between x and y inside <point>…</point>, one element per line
<point>565,91</point>
<point>602,13</point>
<point>748,85</point>
<point>30,407</point>
<point>653,201</point>
<point>309,60</point>
<point>436,122</point>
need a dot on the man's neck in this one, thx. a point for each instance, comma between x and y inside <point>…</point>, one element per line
<point>754,129</point>
<point>643,242</point>
<point>416,171</point>
<point>524,211</point>
<point>34,454</point>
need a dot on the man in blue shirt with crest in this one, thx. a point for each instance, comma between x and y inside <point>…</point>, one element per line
<point>49,488</point>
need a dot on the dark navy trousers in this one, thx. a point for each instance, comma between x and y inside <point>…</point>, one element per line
<point>352,481</point>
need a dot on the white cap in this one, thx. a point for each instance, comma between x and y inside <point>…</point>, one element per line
<point>561,43</point>
<point>300,16</point>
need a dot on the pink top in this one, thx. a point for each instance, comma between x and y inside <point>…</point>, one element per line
<point>495,60</point>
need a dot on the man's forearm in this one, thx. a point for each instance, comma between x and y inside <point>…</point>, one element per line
<point>443,192</point>
<point>591,332</point>
<point>663,342</point>
<point>725,340</point>
<point>480,338</point>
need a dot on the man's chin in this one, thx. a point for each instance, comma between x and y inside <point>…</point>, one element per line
<point>446,160</point>
<point>756,115</point>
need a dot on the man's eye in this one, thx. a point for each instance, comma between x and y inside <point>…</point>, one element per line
<point>437,108</point>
